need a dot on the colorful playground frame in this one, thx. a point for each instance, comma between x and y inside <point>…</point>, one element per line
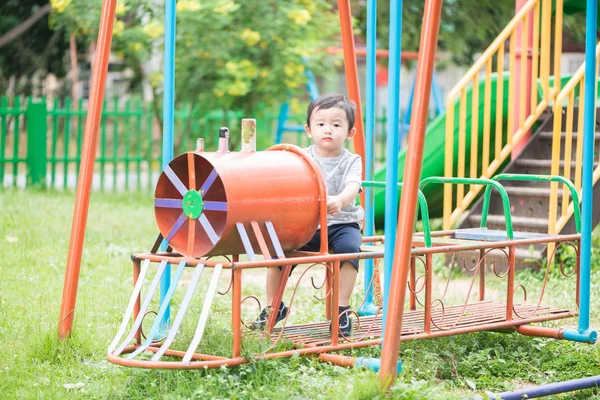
<point>407,248</point>
<point>428,316</point>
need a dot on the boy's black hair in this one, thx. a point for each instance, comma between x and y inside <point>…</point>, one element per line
<point>332,100</point>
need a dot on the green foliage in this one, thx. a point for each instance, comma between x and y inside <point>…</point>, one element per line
<point>229,55</point>
<point>38,49</point>
<point>36,365</point>
<point>467,27</point>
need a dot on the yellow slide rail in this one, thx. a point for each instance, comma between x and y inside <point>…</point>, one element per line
<point>562,153</point>
<point>534,18</point>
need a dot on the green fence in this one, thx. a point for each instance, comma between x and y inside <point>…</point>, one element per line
<point>40,143</point>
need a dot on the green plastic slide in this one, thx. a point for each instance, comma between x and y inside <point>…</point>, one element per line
<point>435,138</point>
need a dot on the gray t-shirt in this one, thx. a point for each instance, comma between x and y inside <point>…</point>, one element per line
<point>338,172</point>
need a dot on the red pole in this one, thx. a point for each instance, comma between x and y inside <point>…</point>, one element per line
<point>523,60</point>
<point>352,80</point>
<point>408,199</point>
<point>88,158</point>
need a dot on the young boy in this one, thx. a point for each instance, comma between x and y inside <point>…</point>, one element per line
<point>329,124</point>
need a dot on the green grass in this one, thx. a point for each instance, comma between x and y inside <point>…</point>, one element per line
<point>34,233</point>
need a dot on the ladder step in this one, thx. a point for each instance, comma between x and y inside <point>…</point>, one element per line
<point>550,135</point>
<point>540,224</point>
<point>530,162</point>
<point>525,191</point>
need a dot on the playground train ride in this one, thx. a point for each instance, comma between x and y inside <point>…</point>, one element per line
<point>213,207</point>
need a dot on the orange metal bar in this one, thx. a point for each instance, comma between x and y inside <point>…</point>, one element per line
<point>481,275</point>
<point>352,80</point>
<point>192,186</point>
<point>335,301</point>
<point>175,258</point>
<point>413,283</point>
<point>88,158</point>
<point>428,292</point>
<point>328,285</point>
<point>136,307</point>
<point>264,249</point>
<point>510,285</point>
<point>539,331</point>
<point>408,201</point>
<point>380,53</point>
<point>236,312</point>
<point>522,96</point>
<point>342,361</point>
<point>285,274</point>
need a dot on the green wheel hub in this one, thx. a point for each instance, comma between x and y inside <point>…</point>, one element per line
<point>193,204</point>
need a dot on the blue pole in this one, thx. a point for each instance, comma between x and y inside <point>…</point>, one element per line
<point>408,113</point>
<point>368,307</point>
<point>588,163</point>
<point>393,148</point>
<point>437,96</point>
<point>168,126</point>
<point>583,332</point>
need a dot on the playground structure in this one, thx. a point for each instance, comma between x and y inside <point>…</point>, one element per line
<point>205,216</point>
<point>313,93</point>
<point>225,229</point>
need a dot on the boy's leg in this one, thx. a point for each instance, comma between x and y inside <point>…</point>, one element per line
<point>273,277</point>
<point>346,238</point>
<point>348,274</point>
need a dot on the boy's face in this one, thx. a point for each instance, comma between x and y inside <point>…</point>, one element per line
<point>329,130</point>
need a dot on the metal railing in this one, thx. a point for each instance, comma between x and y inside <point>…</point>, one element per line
<point>499,135</point>
<point>40,143</point>
<point>562,154</point>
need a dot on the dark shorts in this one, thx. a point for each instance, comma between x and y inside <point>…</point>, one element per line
<point>343,238</point>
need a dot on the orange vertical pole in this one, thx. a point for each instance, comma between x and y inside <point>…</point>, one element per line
<point>88,158</point>
<point>236,311</point>
<point>408,200</point>
<point>352,81</point>
<point>523,56</point>
<point>413,284</point>
<point>136,307</point>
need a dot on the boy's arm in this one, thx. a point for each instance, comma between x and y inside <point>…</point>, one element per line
<point>347,196</point>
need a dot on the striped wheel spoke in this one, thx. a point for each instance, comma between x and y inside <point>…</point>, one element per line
<point>215,206</point>
<point>191,238</point>
<point>208,182</point>
<point>175,180</point>
<point>175,228</point>
<point>191,171</point>
<point>168,203</point>
<point>210,232</point>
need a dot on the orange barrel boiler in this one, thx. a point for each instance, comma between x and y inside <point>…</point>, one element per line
<point>201,196</point>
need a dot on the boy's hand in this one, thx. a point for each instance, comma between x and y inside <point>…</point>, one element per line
<point>334,205</point>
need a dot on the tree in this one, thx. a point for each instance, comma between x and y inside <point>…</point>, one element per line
<point>229,55</point>
<point>467,27</point>
<point>27,51</point>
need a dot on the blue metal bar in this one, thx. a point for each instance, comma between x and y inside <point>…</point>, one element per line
<point>550,389</point>
<point>437,99</point>
<point>168,128</point>
<point>163,308</point>
<point>374,364</point>
<point>408,112</point>
<point>437,96</point>
<point>589,109</point>
<point>281,120</point>
<point>368,307</point>
<point>393,147</point>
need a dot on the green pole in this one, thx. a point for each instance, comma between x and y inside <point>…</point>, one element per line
<point>36,143</point>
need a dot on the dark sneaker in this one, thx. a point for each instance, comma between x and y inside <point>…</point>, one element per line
<point>344,322</point>
<point>262,318</point>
